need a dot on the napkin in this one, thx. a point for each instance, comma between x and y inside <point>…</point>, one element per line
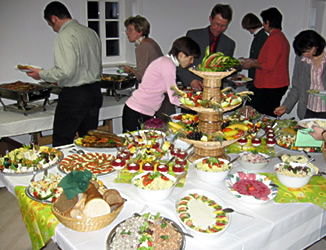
<point>323,98</point>
<point>304,139</point>
<point>313,192</point>
<point>75,182</point>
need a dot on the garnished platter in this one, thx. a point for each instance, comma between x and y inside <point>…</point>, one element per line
<point>251,187</point>
<point>96,139</point>
<point>133,233</point>
<point>45,190</point>
<point>29,159</point>
<point>97,163</point>
<point>201,212</point>
<point>308,123</point>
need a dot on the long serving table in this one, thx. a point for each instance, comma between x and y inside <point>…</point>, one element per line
<point>14,123</point>
<point>275,225</point>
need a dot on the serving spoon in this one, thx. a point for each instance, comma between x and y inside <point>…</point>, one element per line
<point>235,159</point>
<point>231,210</point>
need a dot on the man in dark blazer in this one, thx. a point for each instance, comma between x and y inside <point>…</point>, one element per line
<point>212,36</point>
<point>254,26</point>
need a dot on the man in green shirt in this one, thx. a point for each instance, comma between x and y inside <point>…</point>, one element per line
<point>77,69</point>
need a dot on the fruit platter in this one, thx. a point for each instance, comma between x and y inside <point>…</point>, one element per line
<point>227,100</point>
<point>211,103</point>
<point>259,138</point>
<point>218,62</point>
<point>134,233</point>
<point>28,159</point>
<point>45,190</point>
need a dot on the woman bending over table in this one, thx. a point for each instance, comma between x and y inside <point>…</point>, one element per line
<point>309,73</point>
<point>158,79</point>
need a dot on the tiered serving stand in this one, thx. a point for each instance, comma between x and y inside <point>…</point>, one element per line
<point>210,120</point>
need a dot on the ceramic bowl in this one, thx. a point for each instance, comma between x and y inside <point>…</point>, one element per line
<point>293,181</point>
<point>250,164</point>
<point>150,194</point>
<point>211,176</point>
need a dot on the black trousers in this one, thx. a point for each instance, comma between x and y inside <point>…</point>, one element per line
<point>312,114</point>
<point>77,111</point>
<point>266,100</point>
<point>131,119</point>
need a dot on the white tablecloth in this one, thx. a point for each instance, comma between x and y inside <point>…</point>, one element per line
<point>14,123</point>
<point>275,225</point>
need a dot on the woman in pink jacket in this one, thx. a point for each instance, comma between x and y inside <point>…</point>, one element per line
<point>158,79</point>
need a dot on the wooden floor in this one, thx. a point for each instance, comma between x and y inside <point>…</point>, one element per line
<point>14,236</point>
<point>13,233</point>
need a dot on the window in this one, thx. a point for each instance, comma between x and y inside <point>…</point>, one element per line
<point>104,17</point>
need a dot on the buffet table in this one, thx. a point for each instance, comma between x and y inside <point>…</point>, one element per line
<point>13,123</point>
<point>274,225</point>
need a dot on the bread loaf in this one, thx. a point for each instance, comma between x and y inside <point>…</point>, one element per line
<point>94,203</point>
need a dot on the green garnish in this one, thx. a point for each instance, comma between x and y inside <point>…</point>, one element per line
<point>163,224</point>
<point>164,237</point>
<point>124,232</point>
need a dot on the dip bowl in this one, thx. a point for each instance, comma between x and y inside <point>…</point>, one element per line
<point>295,180</point>
<point>250,161</point>
<point>211,175</point>
<point>153,194</point>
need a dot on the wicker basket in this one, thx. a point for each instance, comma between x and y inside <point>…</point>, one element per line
<point>215,75</point>
<point>89,224</point>
<point>209,144</point>
<point>210,110</point>
<point>212,82</point>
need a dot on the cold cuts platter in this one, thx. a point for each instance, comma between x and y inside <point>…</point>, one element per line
<point>251,187</point>
<point>97,163</point>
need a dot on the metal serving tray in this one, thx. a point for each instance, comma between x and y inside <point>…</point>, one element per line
<point>113,83</point>
<point>24,93</point>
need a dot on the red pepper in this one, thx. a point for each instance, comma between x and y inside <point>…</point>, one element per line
<point>147,180</point>
<point>165,178</point>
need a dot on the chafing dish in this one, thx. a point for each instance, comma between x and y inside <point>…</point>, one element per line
<point>113,83</point>
<point>24,93</point>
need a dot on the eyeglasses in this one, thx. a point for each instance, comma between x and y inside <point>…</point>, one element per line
<point>129,30</point>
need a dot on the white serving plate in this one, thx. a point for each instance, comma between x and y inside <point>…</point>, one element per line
<point>203,214</point>
<point>233,178</point>
<point>318,121</point>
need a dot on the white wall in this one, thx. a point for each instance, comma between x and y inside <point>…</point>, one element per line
<point>26,37</point>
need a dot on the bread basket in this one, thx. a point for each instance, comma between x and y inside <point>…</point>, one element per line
<point>87,224</point>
